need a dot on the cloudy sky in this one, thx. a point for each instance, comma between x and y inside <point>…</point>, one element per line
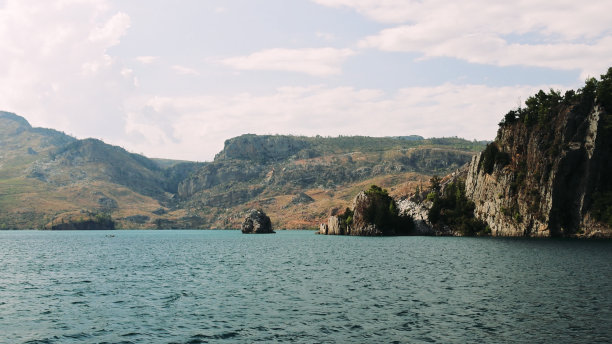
<point>176,78</point>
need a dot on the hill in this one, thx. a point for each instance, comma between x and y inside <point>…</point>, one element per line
<point>297,180</point>
<point>49,179</point>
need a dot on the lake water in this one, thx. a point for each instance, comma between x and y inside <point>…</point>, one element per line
<point>295,286</point>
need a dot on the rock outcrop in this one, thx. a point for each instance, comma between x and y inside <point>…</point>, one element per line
<point>363,222</point>
<point>334,226</point>
<point>262,148</point>
<point>257,222</point>
<point>374,213</point>
<point>418,211</point>
<point>547,172</point>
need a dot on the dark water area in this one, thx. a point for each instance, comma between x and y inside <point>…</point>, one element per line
<point>295,286</point>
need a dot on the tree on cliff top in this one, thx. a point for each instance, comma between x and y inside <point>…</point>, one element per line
<point>540,107</point>
<point>382,211</point>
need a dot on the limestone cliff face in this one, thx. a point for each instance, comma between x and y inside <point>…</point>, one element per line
<point>419,212</point>
<point>374,213</point>
<point>262,148</point>
<point>363,224</point>
<point>542,179</point>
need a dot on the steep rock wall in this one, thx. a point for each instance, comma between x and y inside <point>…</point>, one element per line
<point>544,178</point>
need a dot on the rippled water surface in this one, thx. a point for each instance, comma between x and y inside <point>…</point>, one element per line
<point>295,286</point>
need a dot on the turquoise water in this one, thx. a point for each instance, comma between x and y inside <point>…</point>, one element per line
<point>295,286</point>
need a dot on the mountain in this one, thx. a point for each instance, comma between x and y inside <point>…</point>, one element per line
<point>297,179</point>
<point>51,180</point>
<point>47,177</point>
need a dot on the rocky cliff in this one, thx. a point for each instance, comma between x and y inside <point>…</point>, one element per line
<point>373,213</point>
<point>547,172</point>
<point>257,222</point>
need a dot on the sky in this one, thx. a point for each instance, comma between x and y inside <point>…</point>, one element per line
<point>175,79</point>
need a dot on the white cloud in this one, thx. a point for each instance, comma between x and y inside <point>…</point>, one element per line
<point>487,49</point>
<point>111,31</point>
<point>55,68</point>
<point>317,61</point>
<point>567,18</point>
<point>388,11</point>
<point>564,35</point>
<point>200,124</point>
<point>147,59</point>
<point>182,70</point>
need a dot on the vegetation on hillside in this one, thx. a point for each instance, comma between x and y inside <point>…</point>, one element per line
<point>602,207</point>
<point>536,117</point>
<point>540,107</point>
<point>276,148</point>
<point>84,221</point>
<point>492,156</point>
<point>383,213</point>
<point>453,209</point>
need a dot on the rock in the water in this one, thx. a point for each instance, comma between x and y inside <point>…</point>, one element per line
<point>322,228</point>
<point>364,205</point>
<point>374,213</point>
<point>257,222</point>
<point>334,226</point>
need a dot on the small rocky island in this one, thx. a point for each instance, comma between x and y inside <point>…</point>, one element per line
<point>83,220</point>
<point>373,213</point>
<point>257,222</point>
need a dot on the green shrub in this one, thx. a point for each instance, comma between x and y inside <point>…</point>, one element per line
<point>541,106</point>
<point>493,156</point>
<point>383,213</point>
<point>604,95</point>
<point>602,207</point>
<point>454,209</point>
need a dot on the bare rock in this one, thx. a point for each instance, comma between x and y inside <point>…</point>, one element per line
<point>257,222</point>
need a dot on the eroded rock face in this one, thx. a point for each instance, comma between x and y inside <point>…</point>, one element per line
<point>548,185</point>
<point>322,229</point>
<point>257,222</point>
<point>334,226</point>
<point>419,213</point>
<point>373,213</point>
<point>362,225</point>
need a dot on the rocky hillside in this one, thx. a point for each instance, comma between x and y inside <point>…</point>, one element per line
<point>47,177</point>
<point>297,180</point>
<point>548,171</point>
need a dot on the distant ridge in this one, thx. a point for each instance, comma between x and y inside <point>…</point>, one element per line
<point>48,178</point>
